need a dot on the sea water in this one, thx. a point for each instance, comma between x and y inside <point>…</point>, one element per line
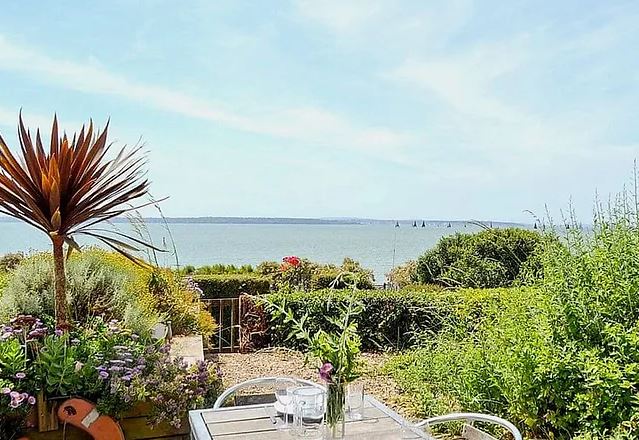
<point>379,247</point>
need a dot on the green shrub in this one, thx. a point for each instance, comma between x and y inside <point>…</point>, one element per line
<point>29,289</point>
<point>391,319</point>
<point>308,275</point>
<point>486,359</point>
<point>98,284</point>
<point>231,286</point>
<point>9,261</point>
<point>217,269</point>
<point>403,275</point>
<point>490,258</point>
<point>106,284</point>
<point>559,358</point>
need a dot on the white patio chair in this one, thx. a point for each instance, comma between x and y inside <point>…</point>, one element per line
<point>270,380</point>
<point>470,432</point>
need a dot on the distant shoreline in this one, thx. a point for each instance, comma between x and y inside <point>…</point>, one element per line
<point>304,221</point>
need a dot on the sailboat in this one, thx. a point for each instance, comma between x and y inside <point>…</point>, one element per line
<point>449,225</point>
<point>397,224</point>
<point>423,224</point>
<point>414,224</point>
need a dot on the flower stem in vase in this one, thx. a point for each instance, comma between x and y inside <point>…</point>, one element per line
<point>335,414</point>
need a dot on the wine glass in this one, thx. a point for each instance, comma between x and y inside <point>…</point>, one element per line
<point>284,394</point>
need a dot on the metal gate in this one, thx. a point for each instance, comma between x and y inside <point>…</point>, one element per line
<point>226,312</point>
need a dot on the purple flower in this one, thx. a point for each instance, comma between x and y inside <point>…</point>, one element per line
<point>103,374</point>
<point>58,332</point>
<point>325,372</point>
<point>5,390</point>
<point>20,375</point>
<point>31,400</point>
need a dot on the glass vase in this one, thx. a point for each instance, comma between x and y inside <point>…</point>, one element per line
<point>335,412</point>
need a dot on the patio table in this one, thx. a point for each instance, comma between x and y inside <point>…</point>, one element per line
<point>254,422</point>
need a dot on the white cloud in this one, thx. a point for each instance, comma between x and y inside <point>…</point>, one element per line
<point>341,16</point>
<point>304,124</point>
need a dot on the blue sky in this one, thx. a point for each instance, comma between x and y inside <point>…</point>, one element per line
<point>386,109</point>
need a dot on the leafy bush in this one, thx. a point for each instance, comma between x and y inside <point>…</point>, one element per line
<point>485,359</point>
<point>231,286</point>
<point>306,275</point>
<point>106,284</point>
<point>403,275</point>
<point>490,258</point>
<point>9,261</point>
<point>391,320</point>
<point>559,358</point>
<point>217,269</point>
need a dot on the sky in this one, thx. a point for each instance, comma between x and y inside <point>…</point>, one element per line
<point>342,108</point>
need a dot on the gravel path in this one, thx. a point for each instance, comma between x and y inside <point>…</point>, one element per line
<point>238,367</point>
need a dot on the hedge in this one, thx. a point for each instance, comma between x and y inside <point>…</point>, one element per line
<point>231,286</point>
<point>392,319</point>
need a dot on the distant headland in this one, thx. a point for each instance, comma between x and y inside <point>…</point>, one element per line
<point>310,221</point>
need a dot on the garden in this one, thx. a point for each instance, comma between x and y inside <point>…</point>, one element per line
<point>537,327</point>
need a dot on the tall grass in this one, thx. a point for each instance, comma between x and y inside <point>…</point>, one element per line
<point>560,358</point>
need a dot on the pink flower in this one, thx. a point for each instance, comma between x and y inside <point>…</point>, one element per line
<point>20,375</point>
<point>31,400</point>
<point>325,372</point>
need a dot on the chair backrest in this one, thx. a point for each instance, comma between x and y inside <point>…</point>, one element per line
<point>470,431</point>
<point>257,382</point>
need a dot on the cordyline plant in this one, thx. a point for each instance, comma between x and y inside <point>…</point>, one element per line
<point>69,189</point>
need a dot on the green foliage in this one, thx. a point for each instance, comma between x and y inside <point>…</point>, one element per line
<point>338,346</point>
<point>307,275</point>
<point>485,359</point>
<point>29,289</point>
<point>559,358</point>
<point>102,362</point>
<point>108,285</point>
<point>13,358</point>
<point>391,319</point>
<point>10,261</point>
<point>403,275</point>
<point>218,269</point>
<point>349,273</point>
<point>3,281</point>
<point>231,286</point>
<point>99,283</point>
<point>55,364</point>
<point>490,258</point>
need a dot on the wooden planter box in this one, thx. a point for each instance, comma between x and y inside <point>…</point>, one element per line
<point>133,423</point>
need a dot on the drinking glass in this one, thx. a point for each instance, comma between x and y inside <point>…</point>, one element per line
<point>308,417</point>
<point>284,395</point>
<point>355,400</point>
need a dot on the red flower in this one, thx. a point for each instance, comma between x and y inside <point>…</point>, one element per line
<point>292,260</point>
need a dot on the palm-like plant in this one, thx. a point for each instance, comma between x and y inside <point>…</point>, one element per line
<point>70,189</point>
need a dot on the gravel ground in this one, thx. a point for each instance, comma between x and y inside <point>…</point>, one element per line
<point>238,367</point>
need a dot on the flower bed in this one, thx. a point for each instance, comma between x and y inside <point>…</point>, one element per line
<point>104,363</point>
